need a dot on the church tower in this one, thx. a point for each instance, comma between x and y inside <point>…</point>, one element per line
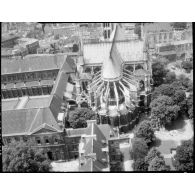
<point>107,30</point>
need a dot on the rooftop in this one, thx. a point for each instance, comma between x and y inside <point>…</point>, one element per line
<point>157,27</point>
<point>36,63</point>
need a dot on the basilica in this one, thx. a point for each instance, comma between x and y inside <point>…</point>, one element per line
<point>115,78</point>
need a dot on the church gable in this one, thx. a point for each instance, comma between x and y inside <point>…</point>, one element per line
<point>45,129</point>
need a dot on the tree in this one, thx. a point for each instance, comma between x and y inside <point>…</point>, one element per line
<point>170,77</point>
<point>184,81</point>
<point>188,66</point>
<point>75,48</point>
<point>151,155</point>
<point>78,117</point>
<point>183,159</point>
<point>139,148</point>
<point>191,113</point>
<point>22,157</point>
<point>158,71</point>
<point>146,132</point>
<point>163,110</point>
<point>164,89</point>
<point>158,164</point>
<point>179,98</point>
<point>140,165</point>
<point>190,106</point>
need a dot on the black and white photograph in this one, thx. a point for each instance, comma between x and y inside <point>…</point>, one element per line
<point>97,97</point>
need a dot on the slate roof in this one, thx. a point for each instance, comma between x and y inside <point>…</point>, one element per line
<point>25,121</point>
<point>157,27</point>
<point>95,145</point>
<point>26,114</point>
<point>35,63</point>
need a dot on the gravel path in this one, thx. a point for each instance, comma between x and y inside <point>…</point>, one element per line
<point>176,135</point>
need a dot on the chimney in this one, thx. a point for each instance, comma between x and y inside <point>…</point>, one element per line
<point>91,122</point>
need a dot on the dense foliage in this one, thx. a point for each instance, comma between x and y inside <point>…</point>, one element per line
<point>158,164</point>
<point>170,77</point>
<point>22,157</point>
<point>139,148</point>
<point>188,66</point>
<point>140,165</point>
<point>151,155</point>
<point>175,92</point>
<point>183,160</point>
<point>159,72</point>
<point>145,132</point>
<point>163,110</point>
<point>78,117</point>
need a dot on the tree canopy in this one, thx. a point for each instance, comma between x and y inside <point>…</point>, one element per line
<point>151,155</point>
<point>188,66</point>
<point>163,110</point>
<point>175,92</point>
<point>22,157</point>
<point>140,165</point>
<point>139,148</point>
<point>170,77</point>
<point>78,117</point>
<point>145,132</point>
<point>158,71</point>
<point>158,164</point>
<point>183,159</point>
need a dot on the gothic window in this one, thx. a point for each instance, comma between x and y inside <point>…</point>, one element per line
<point>108,33</point>
<point>105,34</point>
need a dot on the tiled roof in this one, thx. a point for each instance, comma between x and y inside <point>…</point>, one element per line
<point>32,83</point>
<point>37,102</point>
<point>9,85</point>
<point>47,82</point>
<point>94,146</point>
<point>19,84</point>
<point>87,167</point>
<point>25,121</point>
<point>9,104</point>
<point>131,50</point>
<point>8,37</point>
<point>105,130</point>
<point>157,27</point>
<point>79,131</point>
<point>30,64</point>
<point>17,121</point>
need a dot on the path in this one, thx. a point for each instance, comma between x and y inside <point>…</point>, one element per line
<point>125,149</point>
<point>179,136</point>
